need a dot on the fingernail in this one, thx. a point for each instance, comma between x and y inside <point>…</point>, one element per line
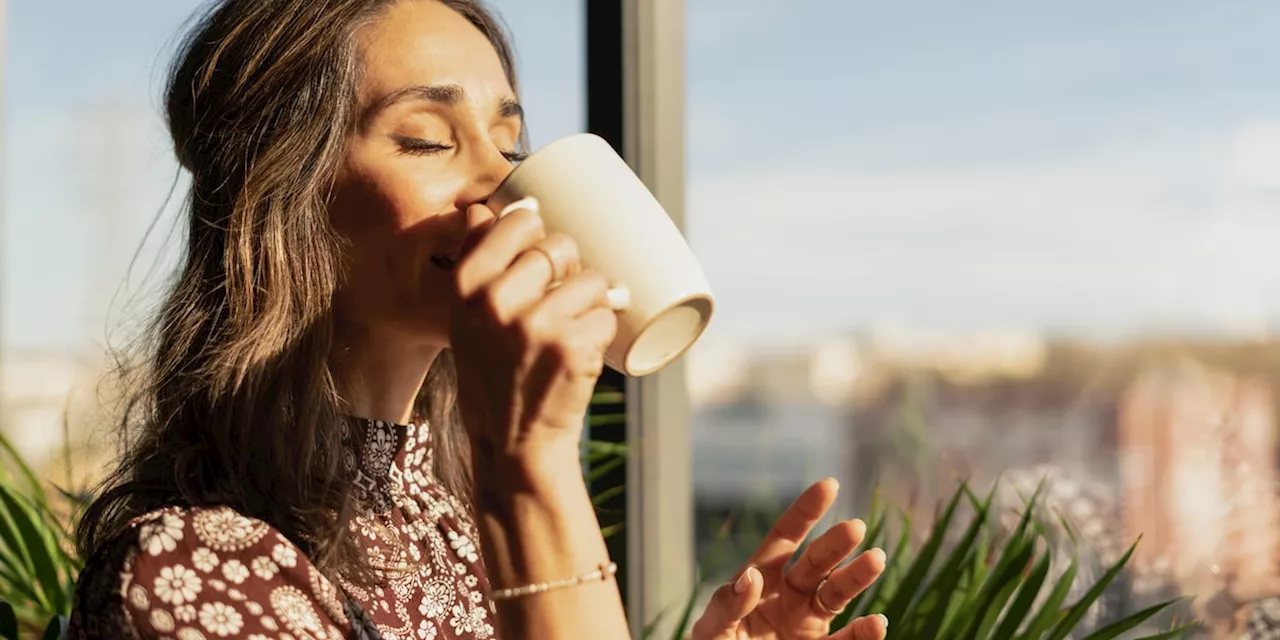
<point>878,553</point>
<point>884,620</point>
<point>859,526</point>
<point>744,581</point>
<point>619,298</point>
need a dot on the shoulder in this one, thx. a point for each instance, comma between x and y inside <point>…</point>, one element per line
<point>205,572</point>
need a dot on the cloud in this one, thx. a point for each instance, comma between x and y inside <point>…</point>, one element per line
<point>1254,160</point>
<point>1140,232</point>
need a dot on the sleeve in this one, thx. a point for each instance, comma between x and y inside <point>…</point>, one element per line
<point>203,574</point>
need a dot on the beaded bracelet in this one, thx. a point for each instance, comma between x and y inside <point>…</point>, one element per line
<point>602,574</point>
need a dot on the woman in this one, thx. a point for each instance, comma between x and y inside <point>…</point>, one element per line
<point>340,262</point>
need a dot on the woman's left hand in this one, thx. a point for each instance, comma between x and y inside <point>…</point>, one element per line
<point>769,601</point>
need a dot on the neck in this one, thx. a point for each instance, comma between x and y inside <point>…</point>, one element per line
<point>379,372</point>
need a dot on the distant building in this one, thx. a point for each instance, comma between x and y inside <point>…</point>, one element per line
<point>1198,450</point>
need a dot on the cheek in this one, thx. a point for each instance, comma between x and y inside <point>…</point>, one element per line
<point>393,223</point>
<point>391,205</point>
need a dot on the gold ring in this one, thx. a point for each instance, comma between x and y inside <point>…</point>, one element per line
<point>817,598</point>
<point>556,276</point>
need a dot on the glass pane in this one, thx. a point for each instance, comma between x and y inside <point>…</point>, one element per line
<point>549,41</point>
<point>87,168</point>
<point>956,241</point>
<point>91,190</point>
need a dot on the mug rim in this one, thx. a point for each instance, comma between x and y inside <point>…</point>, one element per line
<point>676,355</point>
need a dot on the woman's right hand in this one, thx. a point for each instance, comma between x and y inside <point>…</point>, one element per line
<point>527,355</point>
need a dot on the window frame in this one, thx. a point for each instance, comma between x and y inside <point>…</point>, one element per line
<point>635,100</point>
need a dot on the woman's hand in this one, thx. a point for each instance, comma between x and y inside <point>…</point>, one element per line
<point>528,355</point>
<point>769,600</point>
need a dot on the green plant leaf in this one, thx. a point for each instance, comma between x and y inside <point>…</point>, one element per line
<point>875,528</point>
<point>1118,627</point>
<point>59,536</point>
<point>15,586</point>
<point>943,600</point>
<point>607,397</point>
<point>905,593</point>
<point>607,495</point>
<point>1077,610</point>
<point>8,622</point>
<point>601,469</point>
<point>606,419</point>
<point>998,589</point>
<point>1014,559</point>
<point>11,538</point>
<point>1051,610</point>
<point>1022,603</point>
<point>602,447</point>
<point>46,573</point>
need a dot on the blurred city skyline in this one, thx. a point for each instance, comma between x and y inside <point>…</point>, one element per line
<point>1096,170</point>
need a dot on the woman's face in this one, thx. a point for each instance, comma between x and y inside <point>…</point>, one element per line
<point>438,126</point>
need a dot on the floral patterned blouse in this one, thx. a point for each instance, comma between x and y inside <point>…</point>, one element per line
<point>203,573</point>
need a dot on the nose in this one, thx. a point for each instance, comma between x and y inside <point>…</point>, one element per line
<point>489,168</point>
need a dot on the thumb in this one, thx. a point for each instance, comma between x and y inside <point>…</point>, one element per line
<point>729,605</point>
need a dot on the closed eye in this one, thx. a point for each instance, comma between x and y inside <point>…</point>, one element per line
<point>421,147</point>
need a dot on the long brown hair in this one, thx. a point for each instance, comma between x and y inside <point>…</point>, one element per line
<point>230,397</point>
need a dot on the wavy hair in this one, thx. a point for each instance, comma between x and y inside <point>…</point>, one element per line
<point>230,397</point>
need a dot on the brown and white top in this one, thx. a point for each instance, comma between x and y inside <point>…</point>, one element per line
<point>203,573</point>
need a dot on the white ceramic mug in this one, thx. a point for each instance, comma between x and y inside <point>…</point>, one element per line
<point>584,189</point>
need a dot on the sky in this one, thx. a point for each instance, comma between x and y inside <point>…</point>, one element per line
<point>1097,168</point>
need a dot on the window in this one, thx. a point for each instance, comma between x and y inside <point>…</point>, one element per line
<point>958,241</point>
<point>88,167</point>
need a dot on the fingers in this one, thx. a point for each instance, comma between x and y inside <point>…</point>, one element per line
<point>872,627</point>
<point>495,249</point>
<point>730,604</point>
<point>582,299</point>
<point>478,220</point>
<point>518,288</point>
<point>576,296</point>
<point>582,350</point>
<point>824,555</point>
<point>844,584</point>
<point>576,319</point>
<point>794,525</point>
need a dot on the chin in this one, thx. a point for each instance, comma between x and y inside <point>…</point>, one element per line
<point>428,330</point>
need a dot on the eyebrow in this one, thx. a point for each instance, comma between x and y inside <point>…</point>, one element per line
<point>445,94</point>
